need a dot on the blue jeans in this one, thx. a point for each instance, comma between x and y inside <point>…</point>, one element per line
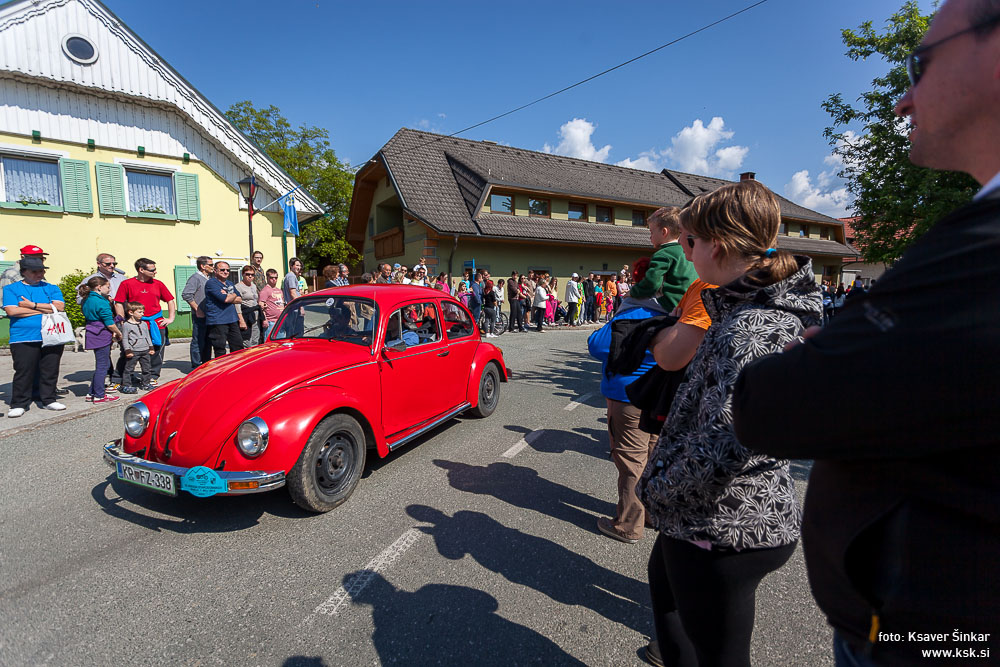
<point>200,352</point>
<point>102,362</point>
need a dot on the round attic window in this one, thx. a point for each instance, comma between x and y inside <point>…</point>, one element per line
<point>79,49</point>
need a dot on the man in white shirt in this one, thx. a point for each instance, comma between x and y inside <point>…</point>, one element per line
<point>573,298</point>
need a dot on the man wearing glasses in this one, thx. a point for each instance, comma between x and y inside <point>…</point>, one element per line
<point>343,278</point>
<point>107,268</point>
<point>221,300</point>
<point>194,294</point>
<point>148,291</point>
<point>901,529</point>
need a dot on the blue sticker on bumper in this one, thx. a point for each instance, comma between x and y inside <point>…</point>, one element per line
<point>203,482</point>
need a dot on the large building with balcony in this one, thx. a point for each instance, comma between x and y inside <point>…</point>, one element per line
<point>463,203</point>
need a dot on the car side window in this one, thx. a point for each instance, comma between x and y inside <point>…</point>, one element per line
<point>415,324</point>
<point>457,322</point>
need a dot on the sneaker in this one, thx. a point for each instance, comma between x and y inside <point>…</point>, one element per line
<point>154,383</point>
<point>147,387</point>
<point>54,405</point>
<point>113,387</point>
<point>128,390</point>
<point>490,336</point>
<point>605,526</point>
<point>652,654</point>
<point>62,392</point>
<point>107,398</point>
<point>15,412</point>
<point>89,398</point>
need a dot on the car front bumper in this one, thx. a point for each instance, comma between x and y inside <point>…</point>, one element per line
<point>238,482</point>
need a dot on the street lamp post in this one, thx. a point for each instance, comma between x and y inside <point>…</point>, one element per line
<point>248,188</point>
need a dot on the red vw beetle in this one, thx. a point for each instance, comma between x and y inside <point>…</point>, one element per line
<point>333,380</point>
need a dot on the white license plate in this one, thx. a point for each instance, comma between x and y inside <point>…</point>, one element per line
<point>163,482</point>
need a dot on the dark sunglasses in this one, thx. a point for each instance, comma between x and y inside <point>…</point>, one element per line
<point>690,239</point>
<point>109,263</point>
<point>223,270</point>
<point>916,62</point>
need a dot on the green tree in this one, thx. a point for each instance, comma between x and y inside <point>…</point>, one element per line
<point>305,153</point>
<point>67,285</point>
<point>896,200</point>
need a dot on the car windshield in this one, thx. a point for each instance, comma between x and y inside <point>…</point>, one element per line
<point>349,319</point>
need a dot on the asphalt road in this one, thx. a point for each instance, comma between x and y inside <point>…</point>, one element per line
<point>474,545</point>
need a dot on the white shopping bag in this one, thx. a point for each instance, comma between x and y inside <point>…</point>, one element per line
<point>56,329</point>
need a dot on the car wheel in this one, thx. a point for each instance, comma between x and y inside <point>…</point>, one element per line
<point>329,466</point>
<point>489,392</point>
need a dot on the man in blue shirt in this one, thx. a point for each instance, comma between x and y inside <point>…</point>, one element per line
<point>221,317</point>
<point>476,300</point>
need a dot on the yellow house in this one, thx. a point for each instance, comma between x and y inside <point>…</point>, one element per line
<point>105,148</point>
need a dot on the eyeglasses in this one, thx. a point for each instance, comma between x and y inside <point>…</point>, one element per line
<point>691,238</point>
<point>916,62</point>
<point>151,270</point>
<point>109,263</point>
<point>222,270</point>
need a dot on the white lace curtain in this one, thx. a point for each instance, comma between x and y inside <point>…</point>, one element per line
<point>151,193</point>
<point>31,181</point>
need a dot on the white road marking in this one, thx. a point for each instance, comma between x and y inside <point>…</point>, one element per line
<point>575,403</point>
<point>356,583</point>
<point>521,444</point>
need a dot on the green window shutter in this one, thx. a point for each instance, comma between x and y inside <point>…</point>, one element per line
<point>188,201</point>
<point>111,188</point>
<point>181,274</point>
<point>75,177</point>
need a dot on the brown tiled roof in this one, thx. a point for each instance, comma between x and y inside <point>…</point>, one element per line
<point>697,185</point>
<point>815,246</point>
<point>442,180</point>
<point>566,231</point>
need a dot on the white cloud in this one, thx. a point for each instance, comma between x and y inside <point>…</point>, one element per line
<point>575,141</point>
<point>829,194</point>
<point>695,149</point>
<point>832,201</point>
<point>692,148</point>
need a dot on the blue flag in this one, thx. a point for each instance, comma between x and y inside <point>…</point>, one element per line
<point>287,204</point>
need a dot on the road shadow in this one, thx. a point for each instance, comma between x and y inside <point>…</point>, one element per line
<point>589,441</point>
<point>374,462</point>
<point>443,624</point>
<point>549,568</point>
<point>189,514</point>
<point>523,487</point>
<point>569,375</point>
<point>305,661</point>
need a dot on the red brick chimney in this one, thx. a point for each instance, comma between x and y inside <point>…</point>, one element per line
<point>748,176</point>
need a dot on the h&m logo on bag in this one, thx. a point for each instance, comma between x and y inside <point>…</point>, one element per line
<point>56,327</point>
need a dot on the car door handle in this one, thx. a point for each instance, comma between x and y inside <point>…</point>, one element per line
<point>444,354</point>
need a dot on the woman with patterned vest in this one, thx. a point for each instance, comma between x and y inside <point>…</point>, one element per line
<point>727,516</point>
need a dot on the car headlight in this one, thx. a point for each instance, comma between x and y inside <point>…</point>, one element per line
<point>251,437</point>
<point>136,419</point>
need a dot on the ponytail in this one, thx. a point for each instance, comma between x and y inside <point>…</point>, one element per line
<point>90,286</point>
<point>772,266</point>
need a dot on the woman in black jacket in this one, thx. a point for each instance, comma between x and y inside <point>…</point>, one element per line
<point>727,516</point>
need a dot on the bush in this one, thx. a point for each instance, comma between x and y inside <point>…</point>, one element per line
<point>67,285</point>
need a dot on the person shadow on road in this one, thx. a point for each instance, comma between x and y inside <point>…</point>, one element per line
<point>442,624</point>
<point>538,563</point>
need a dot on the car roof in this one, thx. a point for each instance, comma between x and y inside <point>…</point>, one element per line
<point>385,295</point>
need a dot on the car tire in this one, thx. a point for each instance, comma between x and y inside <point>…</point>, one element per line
<point>489,392</point>
<point>330,465</point>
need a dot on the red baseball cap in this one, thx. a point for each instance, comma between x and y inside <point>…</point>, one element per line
<point>32,250</point>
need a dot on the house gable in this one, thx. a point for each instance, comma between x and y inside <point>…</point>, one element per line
<point>158,99</point>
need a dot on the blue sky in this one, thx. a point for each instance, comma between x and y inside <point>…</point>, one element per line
<point>742,96</point>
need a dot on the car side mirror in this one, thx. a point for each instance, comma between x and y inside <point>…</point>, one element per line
<point>398,346</point>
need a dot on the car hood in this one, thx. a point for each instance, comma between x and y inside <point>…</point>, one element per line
<point>207,406</point>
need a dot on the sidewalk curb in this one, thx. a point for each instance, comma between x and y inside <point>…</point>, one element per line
<point>64,418</point>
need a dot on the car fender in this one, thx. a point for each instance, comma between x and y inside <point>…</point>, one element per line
<point>292,416</point>
<point>153,401</point>
<point>485,353</point>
